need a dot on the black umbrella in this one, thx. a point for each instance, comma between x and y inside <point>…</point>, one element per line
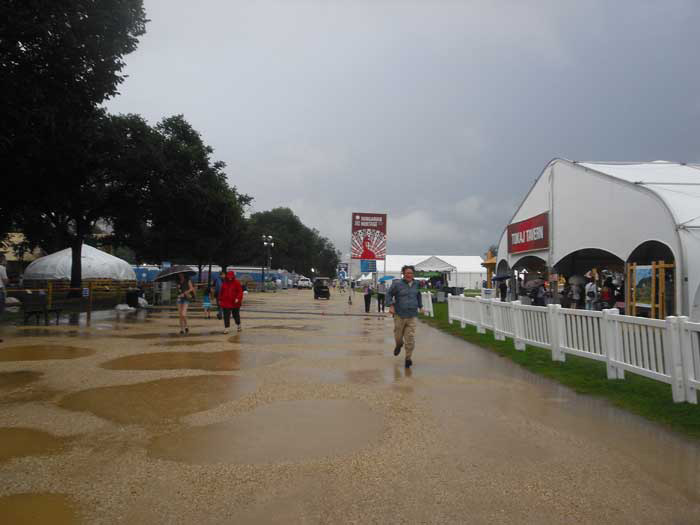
<point>501,277</point>
<point>170,274</point>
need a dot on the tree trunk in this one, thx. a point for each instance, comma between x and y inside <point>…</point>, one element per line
<point>76,272</point>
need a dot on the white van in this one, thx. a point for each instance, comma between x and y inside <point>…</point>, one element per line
<point>304,282</point>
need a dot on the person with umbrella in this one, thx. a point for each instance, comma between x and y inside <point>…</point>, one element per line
<point>185,295</point>
<point>185,290</point>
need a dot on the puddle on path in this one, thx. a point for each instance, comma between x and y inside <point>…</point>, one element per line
<point>186,342</point>
<point>158,401</point>
<point>174,333</point>
<point>303,328</point>
<point>12,380</point>
<point>38,509</point>
<point>19,442</point>
<point>284,431</point>
<point>43,352</point>
<point>211,361</point>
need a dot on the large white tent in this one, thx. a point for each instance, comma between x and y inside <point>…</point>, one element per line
<point>463,271</point>
<point>96,264</point>
<point>621,210</point>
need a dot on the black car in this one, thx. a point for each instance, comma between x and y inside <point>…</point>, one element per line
<point>321,287</point>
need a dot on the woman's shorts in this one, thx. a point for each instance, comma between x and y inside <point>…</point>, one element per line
<point>180,300</point>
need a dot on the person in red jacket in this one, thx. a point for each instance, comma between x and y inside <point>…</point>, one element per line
<point>230,299</point>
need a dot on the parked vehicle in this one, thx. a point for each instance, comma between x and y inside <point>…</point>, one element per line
<point>304,282</point>
<point>321,287</point>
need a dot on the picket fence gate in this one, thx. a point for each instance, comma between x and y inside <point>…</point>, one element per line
<point>665,350</point>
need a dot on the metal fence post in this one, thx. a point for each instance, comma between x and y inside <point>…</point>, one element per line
<point>518,328</point>
<point>686,343</point>
<point>553,316</point>
<point>673,357</point>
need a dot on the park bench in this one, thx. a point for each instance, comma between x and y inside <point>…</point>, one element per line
<point>35,304</point>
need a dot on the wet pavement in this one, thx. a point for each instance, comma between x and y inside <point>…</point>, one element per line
<point>306,417</point>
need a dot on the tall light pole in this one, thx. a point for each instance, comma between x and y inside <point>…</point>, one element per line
<point>267,242</point>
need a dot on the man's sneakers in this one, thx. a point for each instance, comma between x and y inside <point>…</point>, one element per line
<point>397,350</point>
<point>408,363</point>
<point>225,330</point>
<point>239,328</point>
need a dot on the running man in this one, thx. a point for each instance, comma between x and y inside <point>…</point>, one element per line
<point>404,301</point>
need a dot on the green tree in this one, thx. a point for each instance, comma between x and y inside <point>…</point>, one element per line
<point>59,60</point>
<point>297,247</point>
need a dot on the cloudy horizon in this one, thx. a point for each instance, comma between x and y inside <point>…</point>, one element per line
<point>440,114</point>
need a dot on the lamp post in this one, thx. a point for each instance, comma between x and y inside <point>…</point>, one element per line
<point>267,242</point>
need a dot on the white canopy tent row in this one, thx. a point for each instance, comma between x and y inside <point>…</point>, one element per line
<point>96,264</point>
<point>581,214</point>
<point>463,271</point>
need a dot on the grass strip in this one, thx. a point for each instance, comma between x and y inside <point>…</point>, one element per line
<point>639,395</point>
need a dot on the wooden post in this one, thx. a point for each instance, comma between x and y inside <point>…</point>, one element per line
<point>653,312</point>
<point>662,290</point>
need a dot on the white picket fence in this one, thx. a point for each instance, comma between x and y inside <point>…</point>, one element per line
<point>667,350</point>
<point>427,299</point>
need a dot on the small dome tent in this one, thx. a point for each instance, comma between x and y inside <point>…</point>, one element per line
<point>96,265</point>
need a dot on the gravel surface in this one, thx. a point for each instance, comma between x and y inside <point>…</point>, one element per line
<point>463,437</point>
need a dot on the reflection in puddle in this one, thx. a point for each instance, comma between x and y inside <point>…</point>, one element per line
<point>158,401</point>
<point>211,361</point>
<point>37,508</point>
<point>43,352</point>
<point>13,380</point>
<point>285,431</point>
<point>19,442</point>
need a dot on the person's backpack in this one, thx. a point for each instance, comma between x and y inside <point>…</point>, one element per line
<point>590,294</point>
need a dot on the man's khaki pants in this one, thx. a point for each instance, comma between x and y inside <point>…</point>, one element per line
<point>405,332</point>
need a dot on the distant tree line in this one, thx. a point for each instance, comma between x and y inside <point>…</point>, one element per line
<point>72,169</point>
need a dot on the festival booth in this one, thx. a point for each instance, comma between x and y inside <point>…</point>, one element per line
<point>106,276</point>
<point>639,222</point>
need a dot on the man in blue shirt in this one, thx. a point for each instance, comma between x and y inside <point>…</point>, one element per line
<point>404,301</point>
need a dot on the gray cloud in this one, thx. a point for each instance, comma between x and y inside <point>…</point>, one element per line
<point>439,113</point>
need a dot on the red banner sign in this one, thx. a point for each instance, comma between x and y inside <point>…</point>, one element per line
<point>369,236</point>
<point>530,234</point>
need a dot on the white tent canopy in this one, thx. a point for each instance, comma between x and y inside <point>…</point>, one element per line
<point>96,264</point>
<point>618,208</point>
<point>462,270</point>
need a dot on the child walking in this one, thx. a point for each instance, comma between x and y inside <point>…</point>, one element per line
<point>206,302</point>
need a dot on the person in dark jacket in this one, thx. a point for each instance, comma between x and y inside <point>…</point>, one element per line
<point>230,300</point>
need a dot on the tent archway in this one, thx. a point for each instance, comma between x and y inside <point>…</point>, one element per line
<point>581,261</point>
<point>651,251</point>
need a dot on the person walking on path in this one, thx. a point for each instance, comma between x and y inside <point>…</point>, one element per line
<point>404,301</point>
<point>185,295</point>
<point>381,296</point>
<point>206,302</point>
<point>230,300</point>
<point>217,288</point>
<point>368,297</point>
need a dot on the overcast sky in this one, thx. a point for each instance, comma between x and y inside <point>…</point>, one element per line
<point>440,114</point>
